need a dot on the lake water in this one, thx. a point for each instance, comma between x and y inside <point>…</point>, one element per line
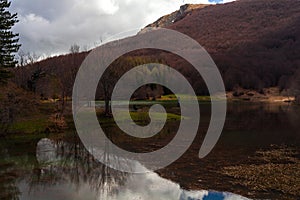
<point>58,166</point>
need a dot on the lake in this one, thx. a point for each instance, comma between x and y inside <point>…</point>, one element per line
<point>257,156</point>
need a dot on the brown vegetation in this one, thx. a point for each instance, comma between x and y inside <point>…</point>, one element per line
<point>276,170</point>
<point>255,45</point>
<point>14,103</point>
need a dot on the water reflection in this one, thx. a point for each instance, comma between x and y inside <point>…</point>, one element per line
<point>62,162</point>
<point>34,168</point>
<point>8,187</point>
<point>64,175</point>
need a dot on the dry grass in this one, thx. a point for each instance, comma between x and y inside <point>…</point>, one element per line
<point>278,171</point>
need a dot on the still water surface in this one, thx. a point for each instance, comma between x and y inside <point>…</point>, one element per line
<point>60,168</point>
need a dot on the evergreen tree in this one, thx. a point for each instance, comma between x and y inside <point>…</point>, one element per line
<point>8,40</point>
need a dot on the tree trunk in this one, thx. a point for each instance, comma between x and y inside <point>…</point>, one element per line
<point>297,99</point>
<point>107,107</point>
<point>106,100</point>
<point>62,104</point>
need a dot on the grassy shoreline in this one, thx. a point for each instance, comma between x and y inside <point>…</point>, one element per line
<point>41,117</point>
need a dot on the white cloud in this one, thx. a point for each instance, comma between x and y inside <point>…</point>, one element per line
<point>48,27</point>
<point>108,6</point>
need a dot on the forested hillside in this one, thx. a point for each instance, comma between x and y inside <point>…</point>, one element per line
<point>255,44</point>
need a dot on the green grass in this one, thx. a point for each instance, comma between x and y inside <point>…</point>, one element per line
<point>173,97</point>
<point>35,125</point>
<point>35,122</point>
<point>139,117</point>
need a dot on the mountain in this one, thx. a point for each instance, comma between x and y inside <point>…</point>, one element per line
<point>169,19</point>
<point>255,44</point>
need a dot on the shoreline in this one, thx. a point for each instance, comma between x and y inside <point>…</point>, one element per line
<point>267,95</point>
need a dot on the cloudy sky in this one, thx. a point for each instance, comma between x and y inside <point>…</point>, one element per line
<point>49,27</point>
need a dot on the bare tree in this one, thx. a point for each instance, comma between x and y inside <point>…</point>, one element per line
<point>295,86</point>
<point>107,82</point>
<point>27,58</point>
<point>74,48</point>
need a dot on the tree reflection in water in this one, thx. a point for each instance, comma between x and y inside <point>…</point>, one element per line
<point>57,169</point>
<point>8,187</point>
<point>61,161</point>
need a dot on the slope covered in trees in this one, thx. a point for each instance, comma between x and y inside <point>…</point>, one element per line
<point>255,44</point>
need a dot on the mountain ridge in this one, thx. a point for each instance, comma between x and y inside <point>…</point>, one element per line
<point>175,16</point>
<point>255,44</point>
